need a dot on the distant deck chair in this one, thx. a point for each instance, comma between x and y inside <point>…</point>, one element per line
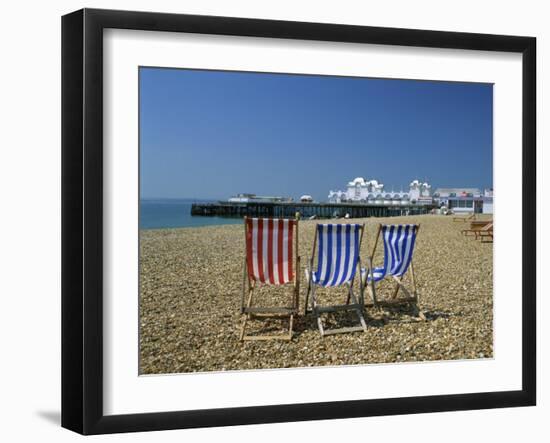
<point>464,219</point>
<point>485,234</point>
<point>476,226</point>
<point>271,259</point>
<point>337,264</point>
<point>399,242</point>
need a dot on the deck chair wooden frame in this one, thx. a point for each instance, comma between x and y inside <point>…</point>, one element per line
<point>470,217</point>
<point>411,299</point>
<point>357,303</point>
<point>252,284</point>
<point>476,227</point>
<point>485,234</point>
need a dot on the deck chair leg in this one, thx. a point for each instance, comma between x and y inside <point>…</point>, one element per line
<point>320,325</point>
<point>297,284</point>
<point>372,290</point>
<point>311,297</point>
<point>397,286</point>
<point>247,316</point>
<point>243,328</point>
<point>243,324</point>
<point>361,286</point>
<point>357,311</point>
<point>307,294</point>
<point>245,280</point>
<point>369,291</point>
<point>348,298</point>
<point>411,299</point>
<point>291,321</point>
<point>316,311</point>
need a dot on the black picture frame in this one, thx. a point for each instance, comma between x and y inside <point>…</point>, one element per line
<point>82,215</point>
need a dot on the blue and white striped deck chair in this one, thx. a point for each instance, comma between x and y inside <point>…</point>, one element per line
<point>337,264</point>
<point>399,242</point>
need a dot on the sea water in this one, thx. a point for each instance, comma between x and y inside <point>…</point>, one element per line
<point>176,213</point>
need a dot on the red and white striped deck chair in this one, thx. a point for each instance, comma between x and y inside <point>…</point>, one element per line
<point>271,259</point>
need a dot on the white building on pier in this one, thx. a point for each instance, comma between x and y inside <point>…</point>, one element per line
<point>360,190</point>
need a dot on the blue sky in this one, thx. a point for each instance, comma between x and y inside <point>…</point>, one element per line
<point>213,134</point>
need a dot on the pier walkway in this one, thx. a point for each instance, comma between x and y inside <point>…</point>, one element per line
<point>306,210</point>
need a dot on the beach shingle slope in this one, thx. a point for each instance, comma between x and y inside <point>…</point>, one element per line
<point>190,293</point>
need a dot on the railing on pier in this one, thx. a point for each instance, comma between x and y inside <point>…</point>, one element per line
<point>306,210</point>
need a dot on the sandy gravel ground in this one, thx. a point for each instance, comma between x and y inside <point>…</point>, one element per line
<point>190,293</point>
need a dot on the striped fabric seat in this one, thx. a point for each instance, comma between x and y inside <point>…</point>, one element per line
<point>399,243</point>
<point>338,253</point>
<point>269,250</point>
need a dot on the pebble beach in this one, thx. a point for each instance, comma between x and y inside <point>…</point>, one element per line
<point>190,294</point>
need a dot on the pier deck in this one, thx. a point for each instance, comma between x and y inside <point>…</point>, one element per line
<point>306,210</point>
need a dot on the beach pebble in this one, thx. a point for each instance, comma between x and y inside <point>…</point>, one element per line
<point>191,283</point>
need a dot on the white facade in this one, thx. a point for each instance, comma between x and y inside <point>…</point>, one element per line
<point>419,190</point>
<point>465,200</point>
<point>488,206</point>
<point>373,192</point>
<point>488,201</point>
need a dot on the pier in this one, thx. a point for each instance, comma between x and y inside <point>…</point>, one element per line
<point>306,210</point>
